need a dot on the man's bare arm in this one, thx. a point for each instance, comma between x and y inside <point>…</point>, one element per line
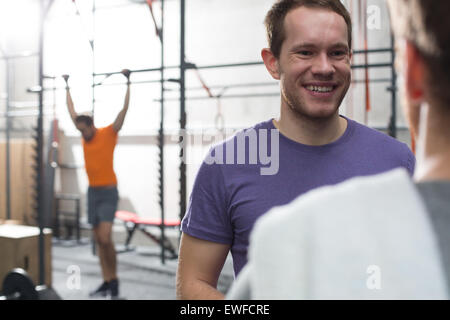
<point>199,265</point>
<point>70,105</point>
<point>118,123</point>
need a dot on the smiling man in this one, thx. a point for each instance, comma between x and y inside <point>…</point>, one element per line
<point>309,52</point>
<point>313,66</point>
<point>385,236</point>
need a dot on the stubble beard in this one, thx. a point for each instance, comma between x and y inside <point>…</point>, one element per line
<point>297,105</point>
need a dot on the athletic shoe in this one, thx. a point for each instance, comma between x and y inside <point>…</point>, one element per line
<point>101,291</point>
<point>114,288</point>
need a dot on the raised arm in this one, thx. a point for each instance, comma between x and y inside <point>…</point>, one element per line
<point>70,106</point>
<point>118,123</point>
<point>199,265</point>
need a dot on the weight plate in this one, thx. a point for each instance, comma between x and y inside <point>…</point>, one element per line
<point>18,283</point>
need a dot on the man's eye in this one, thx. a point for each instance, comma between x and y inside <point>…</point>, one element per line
<point>338,53</point>
<point>305,53</point>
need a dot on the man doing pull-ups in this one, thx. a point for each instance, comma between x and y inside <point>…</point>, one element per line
<point>98,147</point>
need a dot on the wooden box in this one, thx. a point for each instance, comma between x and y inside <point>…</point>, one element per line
<point>19,248</point>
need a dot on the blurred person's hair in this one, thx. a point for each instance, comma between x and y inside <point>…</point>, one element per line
<point>426,24</point>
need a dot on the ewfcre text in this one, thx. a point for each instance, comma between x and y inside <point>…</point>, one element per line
<point>225,310</point>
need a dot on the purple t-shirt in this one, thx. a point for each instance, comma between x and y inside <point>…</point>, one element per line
<point>238,182</point>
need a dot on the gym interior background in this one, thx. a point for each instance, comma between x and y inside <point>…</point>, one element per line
<point>220,86</point>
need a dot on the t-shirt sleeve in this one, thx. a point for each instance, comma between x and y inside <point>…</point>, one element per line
<point>207,215</point>
<point>111,130</point>
<point>410,162</point>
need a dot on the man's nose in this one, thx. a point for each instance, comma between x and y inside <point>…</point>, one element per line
<point>322,65</point>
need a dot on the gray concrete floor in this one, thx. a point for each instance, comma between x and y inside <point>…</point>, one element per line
<point>142,276</point>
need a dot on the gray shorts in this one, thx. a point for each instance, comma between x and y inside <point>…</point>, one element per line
<point>102,204</point>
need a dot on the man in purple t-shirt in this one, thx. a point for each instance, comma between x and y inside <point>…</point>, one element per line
<point>272,163</point>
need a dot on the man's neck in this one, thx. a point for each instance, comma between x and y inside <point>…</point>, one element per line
<point>433,160</point>
<point>433,168</point>
<point>313,132</point>
<point>433,152</point>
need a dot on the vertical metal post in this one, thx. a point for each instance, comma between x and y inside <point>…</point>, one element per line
<point>94,248</point>
<point>56,223</point>
<point>77,217</point>
<point>183,142</point>
<point>393,89</point>
<point>8,140</point>
<point>93,59</point>
<point>40,129</point>
<point>161,142</point>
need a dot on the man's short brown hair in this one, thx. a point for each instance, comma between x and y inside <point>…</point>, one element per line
<point>275,19</point>
<point>86,119</point>
<point>426,24</point>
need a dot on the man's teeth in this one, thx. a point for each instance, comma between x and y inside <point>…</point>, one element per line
<point>319,89</point>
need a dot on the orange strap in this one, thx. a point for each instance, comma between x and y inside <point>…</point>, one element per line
<point>77,11</point>
<point>150,6</point>
<point>219,120</point>
<point>207,89</point>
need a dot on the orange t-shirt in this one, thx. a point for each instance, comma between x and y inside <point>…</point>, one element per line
<point>98,157</point>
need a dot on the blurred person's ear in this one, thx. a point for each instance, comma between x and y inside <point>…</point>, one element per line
<point>414,74</point>
<point>412,67</point>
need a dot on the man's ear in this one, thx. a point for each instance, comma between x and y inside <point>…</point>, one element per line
<point>414,73</point>
<point>271,63</point>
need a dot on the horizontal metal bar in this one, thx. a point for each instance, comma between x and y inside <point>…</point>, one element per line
<point>239,85</point>
<point>381,80</point>
<point>151,138</point>
<point>124,83</point>
<point>403,128</point>
<point>188,65</point>
<point>381,50</point>
<point>255,95</point>
<point>69,166</point>
<point>231,86</point>
<point>268,84</point>
<point>133,71</point>
<point>373,65</point>
<point>231,65</point>
<point>54,88</point>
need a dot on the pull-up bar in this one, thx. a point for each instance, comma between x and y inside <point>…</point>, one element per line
<point>246,64</point>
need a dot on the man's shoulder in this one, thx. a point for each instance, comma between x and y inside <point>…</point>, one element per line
<point>107,130</point>
<point>378,141</point>
<point>375,134</point>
